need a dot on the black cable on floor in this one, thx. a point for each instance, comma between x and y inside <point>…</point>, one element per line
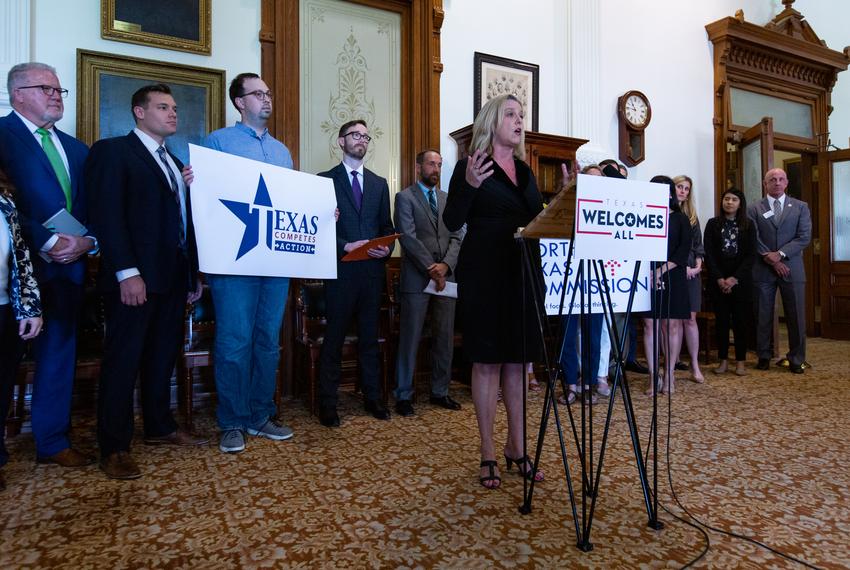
<point>706,525</point>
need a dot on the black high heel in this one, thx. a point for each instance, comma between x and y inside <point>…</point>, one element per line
<point>528,472</point>
<point>491,465</point>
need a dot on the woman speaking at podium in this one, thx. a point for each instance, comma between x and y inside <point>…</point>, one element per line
<point>493,192</point>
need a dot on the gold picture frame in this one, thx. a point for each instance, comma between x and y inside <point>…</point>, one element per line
<point>106,83</point>
<point>183,25</point>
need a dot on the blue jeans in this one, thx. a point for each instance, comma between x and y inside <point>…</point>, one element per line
<point>570,353</point>
<point>249,313</point>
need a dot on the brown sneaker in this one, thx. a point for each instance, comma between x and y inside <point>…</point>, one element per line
<point>120,465</point>
<point>179,437</point>
<point>68,457</point>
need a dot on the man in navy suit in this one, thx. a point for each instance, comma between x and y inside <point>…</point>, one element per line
<point>363,200</point>
<point>139,206</point>
<point>46,166</point>
<point>783,230</point>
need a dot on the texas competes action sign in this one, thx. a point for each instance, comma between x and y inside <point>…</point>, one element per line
<point>253,218</point>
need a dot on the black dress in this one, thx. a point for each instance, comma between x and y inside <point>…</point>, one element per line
<point>673,301</point>
<point>489,272</point>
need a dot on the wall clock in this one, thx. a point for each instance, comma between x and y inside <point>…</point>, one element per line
<point>634,114</point>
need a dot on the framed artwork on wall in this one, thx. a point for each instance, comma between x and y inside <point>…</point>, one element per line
<point>496,76</point>
<point>183,25</point>
<point>106,83</point>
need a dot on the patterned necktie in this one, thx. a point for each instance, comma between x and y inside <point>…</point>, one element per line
<point>777,209</point>
<point>175,190</point>
<point>432,201</point>
<point>356,190</point>
<point>56,162</point>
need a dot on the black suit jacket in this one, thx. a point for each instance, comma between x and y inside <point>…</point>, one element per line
<point>373,220</point>
<point>135,216</point>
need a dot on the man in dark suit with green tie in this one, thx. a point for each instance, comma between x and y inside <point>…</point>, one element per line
<point>363,200</point>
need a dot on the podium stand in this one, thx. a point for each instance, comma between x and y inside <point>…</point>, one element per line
<point>557,222</point>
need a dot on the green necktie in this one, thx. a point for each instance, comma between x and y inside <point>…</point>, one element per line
<point>57,164</point>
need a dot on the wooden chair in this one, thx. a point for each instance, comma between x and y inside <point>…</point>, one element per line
<point>197,351</point>
<point>310,323</point>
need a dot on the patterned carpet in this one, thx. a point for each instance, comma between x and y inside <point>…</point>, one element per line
<point>765,455</point>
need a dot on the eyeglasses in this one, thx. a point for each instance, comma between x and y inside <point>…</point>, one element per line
<point>259,94</point>
<point>48,90</point>
<point>358,136</point>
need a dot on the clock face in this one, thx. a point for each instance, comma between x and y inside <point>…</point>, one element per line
<point>637,111</point>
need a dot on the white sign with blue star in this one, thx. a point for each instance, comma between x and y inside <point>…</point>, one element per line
<point>253,218</point>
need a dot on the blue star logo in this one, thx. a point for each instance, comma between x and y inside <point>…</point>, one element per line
<point>250,217</point>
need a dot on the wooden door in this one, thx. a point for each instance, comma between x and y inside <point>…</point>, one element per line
<point>834,241</point>
<point>756,158</point>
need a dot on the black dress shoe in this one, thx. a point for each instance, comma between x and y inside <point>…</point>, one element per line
<point>796,368</point>
<point>377,409</point>
<point>328,417</point>
<point>445,402</point>
<point>763,364</point>
<point>682,366</point>
<point>404,408</point>
<point>636,367</point>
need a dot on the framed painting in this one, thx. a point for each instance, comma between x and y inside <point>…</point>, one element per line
<point>183,25</point>
<point>106,83</point>
<point>496,76</point>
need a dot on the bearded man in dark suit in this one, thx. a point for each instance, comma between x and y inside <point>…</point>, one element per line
<point>363,200</point>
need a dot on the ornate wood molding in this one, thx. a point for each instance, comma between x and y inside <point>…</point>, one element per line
<point>422,21</point>
<point>421,68</point>
<point>784,58</point>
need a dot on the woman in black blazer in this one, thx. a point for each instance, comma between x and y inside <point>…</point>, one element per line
<point>730,247</point>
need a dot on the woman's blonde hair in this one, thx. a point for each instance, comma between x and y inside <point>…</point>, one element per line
<point>488,121</point>
<point>687,206</point>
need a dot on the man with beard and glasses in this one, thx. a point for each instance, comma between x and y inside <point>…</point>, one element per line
<point>429,252</point>
<point>363,200</point>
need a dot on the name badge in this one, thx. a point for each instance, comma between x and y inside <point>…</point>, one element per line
<point>767,215</point>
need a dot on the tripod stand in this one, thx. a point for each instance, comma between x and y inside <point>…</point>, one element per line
<point>583,436</point>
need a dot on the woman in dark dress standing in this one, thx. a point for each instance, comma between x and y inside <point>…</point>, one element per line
<point>670,301</point>
<point>685,195</point>
<point>730,247</point>
<point>20,305</point>
<point>494,192</point>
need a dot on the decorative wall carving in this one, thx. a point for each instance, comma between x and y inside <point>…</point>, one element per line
<point>15,43</point>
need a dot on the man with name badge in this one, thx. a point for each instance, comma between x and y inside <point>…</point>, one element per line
<point>363,200</point>
<point>46,167</point>
<point>783,230</point>
<point>429,252</point>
